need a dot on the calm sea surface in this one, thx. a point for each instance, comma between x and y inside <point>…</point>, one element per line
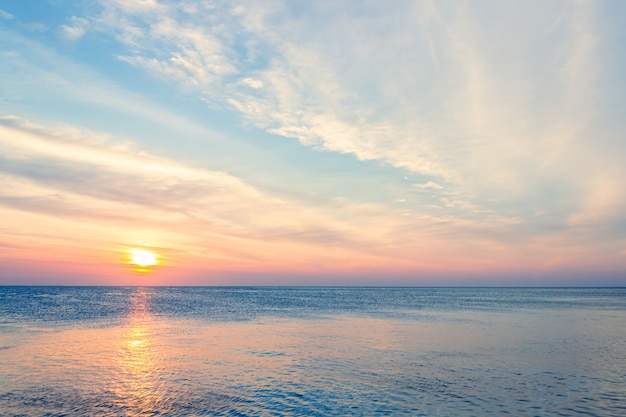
<point>90,351</point>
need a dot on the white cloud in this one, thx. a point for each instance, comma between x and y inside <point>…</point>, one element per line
<point>425,87</point>
<point>252,83</point>
<point>140,6</point>
<point>76,30</point>
<point>428,185</point>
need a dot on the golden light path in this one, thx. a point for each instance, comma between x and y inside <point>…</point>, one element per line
<point>137,383</point>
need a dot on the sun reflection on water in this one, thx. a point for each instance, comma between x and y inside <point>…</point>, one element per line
<point>137,382</point>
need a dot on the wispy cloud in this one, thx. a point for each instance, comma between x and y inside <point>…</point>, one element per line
<point>84,177</point>
<point>95,184</point>
<point>428,185</point>
<point>481,111</point>
<point>6,15</point>
<point>75,30</point>
<point>40,70</point>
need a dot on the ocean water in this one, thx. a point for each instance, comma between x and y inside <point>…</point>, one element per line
<point>180,351</point>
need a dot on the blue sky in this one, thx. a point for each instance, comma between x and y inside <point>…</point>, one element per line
<point>425,142</point>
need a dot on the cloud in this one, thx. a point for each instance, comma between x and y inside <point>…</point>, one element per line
<point>76,30</point>
<point>85,191</point>
<point>426,87</point>
<point>383,100</point>
<point>140,6</point>
<point>252,83</point>
<point>428,185</point>
<point>41,71</point>
<point>6,15</point>
<point>101,184</point>
<point>105,189</point>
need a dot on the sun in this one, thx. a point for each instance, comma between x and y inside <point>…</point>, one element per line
<point>143,258</point>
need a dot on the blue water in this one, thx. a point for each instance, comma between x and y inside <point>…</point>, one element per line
<point>182,351</point>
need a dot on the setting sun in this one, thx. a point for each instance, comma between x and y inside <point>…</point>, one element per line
<point>143,258</point>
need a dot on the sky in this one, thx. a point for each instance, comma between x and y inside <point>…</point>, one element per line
<point>313,142</point>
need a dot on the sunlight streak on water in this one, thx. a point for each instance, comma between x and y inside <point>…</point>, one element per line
<point>134,381</point>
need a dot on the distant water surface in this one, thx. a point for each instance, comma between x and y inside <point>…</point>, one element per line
<point>210,351</point>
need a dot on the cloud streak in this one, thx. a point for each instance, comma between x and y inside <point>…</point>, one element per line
<point>498,106</point>
<point>79,177</point>
<point>123,195</point>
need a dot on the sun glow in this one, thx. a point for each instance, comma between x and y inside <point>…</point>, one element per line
<point>142,259</point>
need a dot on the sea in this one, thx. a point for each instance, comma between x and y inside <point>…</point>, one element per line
<point>295,351</point>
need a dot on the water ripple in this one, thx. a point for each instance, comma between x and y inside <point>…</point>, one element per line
<point>283,352</point>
